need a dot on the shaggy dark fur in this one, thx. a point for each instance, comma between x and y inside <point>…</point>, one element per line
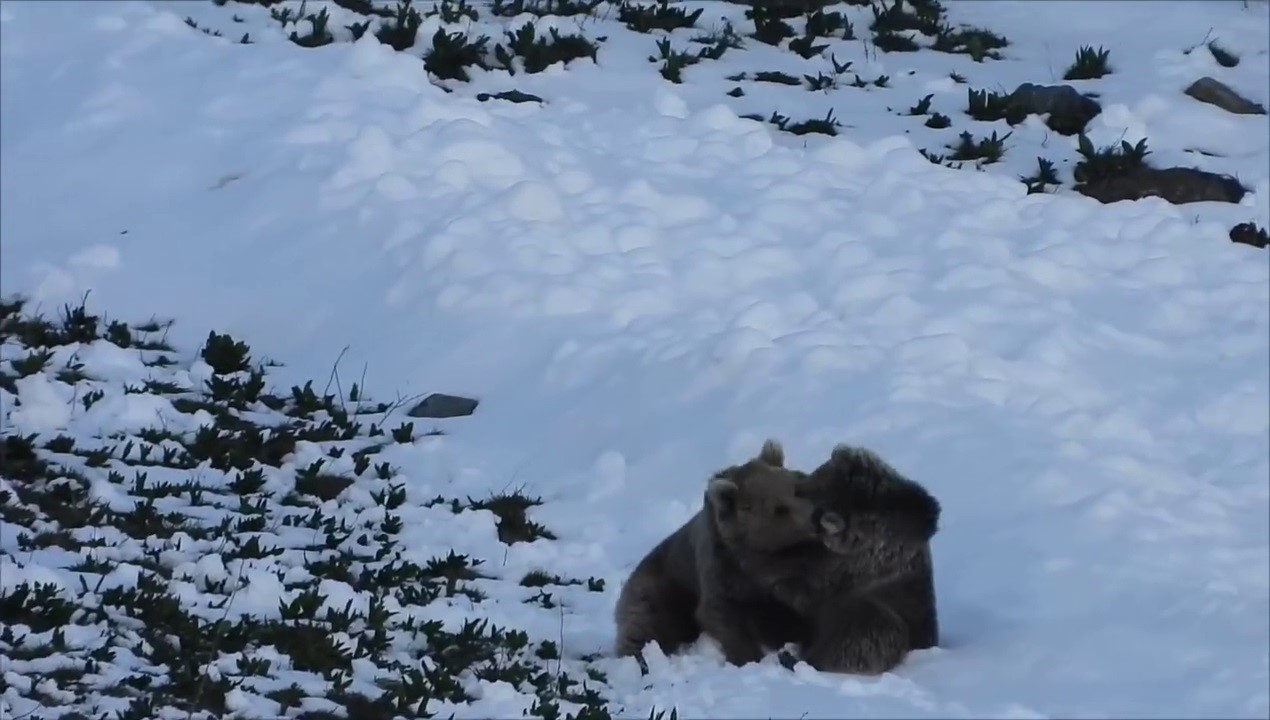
<point>871,599</point>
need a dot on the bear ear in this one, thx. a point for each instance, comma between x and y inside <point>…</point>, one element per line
<point>721,496</point>
<point>832,523</point>
<point>772,453</point>
<point>842,451</point>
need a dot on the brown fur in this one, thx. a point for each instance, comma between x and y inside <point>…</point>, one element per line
<point>715,574</point>
<point>871,599</point>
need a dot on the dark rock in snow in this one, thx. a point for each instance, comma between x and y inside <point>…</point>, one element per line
<point>1215,92</point>
<point>1249,234</point>
<point>515,96</point>
<point>1069,111</point>
<point>440,405</point>
<point>1177,185</point>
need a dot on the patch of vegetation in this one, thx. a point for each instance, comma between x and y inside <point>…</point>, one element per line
<point>454,11</point>
<point>543,8</point>
<point>978,43</point>
<point>673,62</point>
<point>533,53</point>
<point>361,7</point>
<point>402,28</point>
<point>261,3</point>
<point>211,33</point>
<point>723,39</point>
<point>788,9</point>
<point>779,78</point>
<point>514,524</point>
<point>159,534</point>
<point>990,106</point>
<point>1090,64</point>
<point>661,15</point>
<point>225,355</point>
<point>820,81</point>
<point>897,26</point>
<point>821,24</point>
<point>542,578</point>
<point>879,81</point>
<point>1044,177</point>
<point>769,26</point>
<point>922,107</point>
<point>1099,164</point>
<point>452,54</point>
<point>806,47</point>
<point>318,34</point>
<point>923,16</point>
<point>983,151</point>
<point>828,125</point>
<point>935,158</point>
<point>888,41</point>
<point>938,122</point>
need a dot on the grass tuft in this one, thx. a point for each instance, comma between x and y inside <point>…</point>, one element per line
<point>661,15</point>
<point>1101,164</point>
<point>1044,177</point>
<point>1090,64</point>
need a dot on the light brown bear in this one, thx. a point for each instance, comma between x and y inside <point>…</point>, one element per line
<point>716,573</point>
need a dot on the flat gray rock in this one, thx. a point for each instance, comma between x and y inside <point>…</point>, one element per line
<point>514,96</point>
<point>1069,111</point>
<point>1215,92</point>
<point>1177,185</point>
<point>440,405</point>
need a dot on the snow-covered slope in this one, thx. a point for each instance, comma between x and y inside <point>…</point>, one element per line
<point>640,286</point>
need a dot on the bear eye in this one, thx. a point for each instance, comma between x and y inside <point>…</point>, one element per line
<point>781,510</point>
<point>745,507</point>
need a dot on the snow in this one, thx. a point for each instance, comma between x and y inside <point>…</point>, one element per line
<point>640,286</point>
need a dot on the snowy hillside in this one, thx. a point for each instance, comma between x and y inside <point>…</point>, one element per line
<point>639,279</point>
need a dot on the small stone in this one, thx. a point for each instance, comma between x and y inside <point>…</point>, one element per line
<point>1249,234</point>
<point>1215,92</point>
<point>514,96</point>
<point>1069,111</point>
<point>787,659</point>
<point>440,405</point>
<point>324,487</point>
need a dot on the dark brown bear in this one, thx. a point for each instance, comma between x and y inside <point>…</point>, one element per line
<point>871,599</point>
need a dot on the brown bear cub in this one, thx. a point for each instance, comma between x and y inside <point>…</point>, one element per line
<point>717,573</point>
<point>872,599</point>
